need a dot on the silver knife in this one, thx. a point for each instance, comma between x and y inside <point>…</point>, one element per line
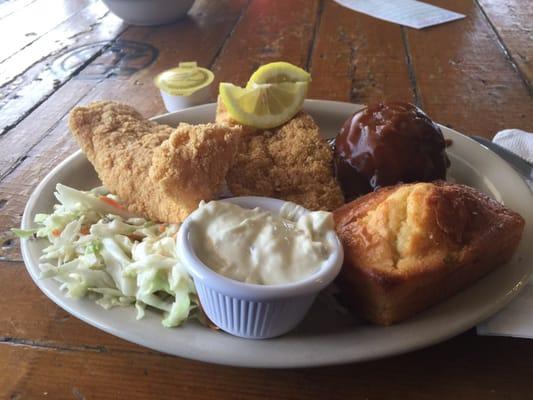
<point>520,165</point>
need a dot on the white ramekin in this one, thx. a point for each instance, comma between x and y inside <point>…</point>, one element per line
<point>175,103</point>
<point>249,310</point>
<point>184,86</point>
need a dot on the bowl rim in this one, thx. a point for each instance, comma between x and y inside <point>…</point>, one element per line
<point>309,285</point>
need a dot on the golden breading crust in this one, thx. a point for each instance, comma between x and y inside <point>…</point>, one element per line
<point>160,172</point>
<point>292,162</point>
<point>409,246</point>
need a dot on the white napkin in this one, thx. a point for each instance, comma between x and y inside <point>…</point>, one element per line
<point>517,141</point>
<point>516,319</point>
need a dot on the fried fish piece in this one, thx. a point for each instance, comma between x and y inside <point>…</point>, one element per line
<point>160,172</point>
<point>291,162</point>
<point>409,246</point>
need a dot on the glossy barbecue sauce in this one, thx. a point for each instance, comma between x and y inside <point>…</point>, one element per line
<point>386,144</point>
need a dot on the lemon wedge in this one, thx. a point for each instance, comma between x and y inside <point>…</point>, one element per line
<point>278,72</point>
<point>263,105</point>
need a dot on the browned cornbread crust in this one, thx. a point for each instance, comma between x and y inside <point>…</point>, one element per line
<point>410,246</point>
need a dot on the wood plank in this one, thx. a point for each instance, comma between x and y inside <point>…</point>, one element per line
<point>93,24</point>
<point>29,158</point>
<point>39,322</point>
<point>44,352</point>
<point>16,143</point>
<point>201,38</point>
<point>29,23</point>
<point>268,31</point>
<point>512,20</point>
<point>468,367</point>
<point>358,58</point>
<point>31,75</point>
<point>464,78</point>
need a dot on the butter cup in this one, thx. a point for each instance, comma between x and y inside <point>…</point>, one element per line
<point>249,310</point>
<point>184,86</point>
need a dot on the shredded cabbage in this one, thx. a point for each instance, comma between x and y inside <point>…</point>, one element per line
<point>98,249</point>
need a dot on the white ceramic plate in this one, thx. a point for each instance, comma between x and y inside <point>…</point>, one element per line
<point>328,335</point>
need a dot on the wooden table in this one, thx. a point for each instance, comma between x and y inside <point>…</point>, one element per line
<point>473,75</point>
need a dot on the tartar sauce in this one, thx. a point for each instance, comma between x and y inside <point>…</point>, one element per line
<point>256,246</point>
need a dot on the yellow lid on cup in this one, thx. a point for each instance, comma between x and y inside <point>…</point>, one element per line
<point>184,80</point>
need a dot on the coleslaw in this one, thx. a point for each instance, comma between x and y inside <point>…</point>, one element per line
<point>99,250</point>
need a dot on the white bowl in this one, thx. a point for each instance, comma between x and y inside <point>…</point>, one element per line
<point>249,310</point>
<point>149,12</point>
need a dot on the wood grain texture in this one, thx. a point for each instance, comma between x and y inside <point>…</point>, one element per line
<point>268,31</point>
<point>15,144</point>
<point>458,72</point>
<point>467,368</point>
<point>75,32</point>
<point>27,24</point>
<point>201,36</point>
<point>39,69</point>
<point>18,185</point>
<point>42,140</point>
<point>513,21</point>
<point>108,76</point>
<point>358,58</point>
<point>464,78</point>
<point>40,323</point>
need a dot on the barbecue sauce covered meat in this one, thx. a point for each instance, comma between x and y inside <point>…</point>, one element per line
<point>386,144</point>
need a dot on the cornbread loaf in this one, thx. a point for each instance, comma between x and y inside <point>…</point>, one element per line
<point>410,246</point>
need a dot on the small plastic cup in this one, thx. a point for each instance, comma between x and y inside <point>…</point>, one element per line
<point>184,86</point>
<point>249,310</point>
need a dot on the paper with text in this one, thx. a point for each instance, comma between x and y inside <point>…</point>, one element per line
<point>411,13</point>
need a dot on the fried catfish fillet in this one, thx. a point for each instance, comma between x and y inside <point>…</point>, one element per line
<point>291,162</point>
<point>159,172</point>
